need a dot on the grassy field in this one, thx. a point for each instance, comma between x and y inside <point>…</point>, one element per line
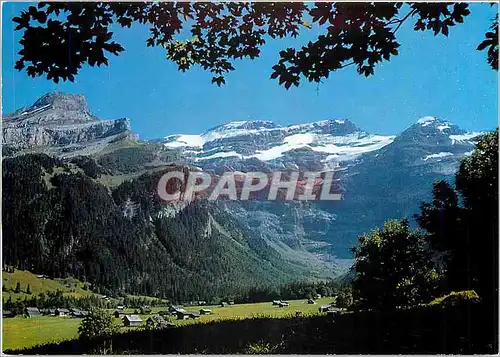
<point>69,286</point>
<point>23,332</point>
<point>264,309</point>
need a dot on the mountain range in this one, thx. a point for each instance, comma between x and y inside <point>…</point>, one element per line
<point>383,176</point>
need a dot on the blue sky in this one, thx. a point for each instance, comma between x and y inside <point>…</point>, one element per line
<point>438,76</point>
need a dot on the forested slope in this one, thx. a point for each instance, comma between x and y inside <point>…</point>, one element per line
<point>60,221</point>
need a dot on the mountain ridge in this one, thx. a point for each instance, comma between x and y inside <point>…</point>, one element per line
<point>383,175</point>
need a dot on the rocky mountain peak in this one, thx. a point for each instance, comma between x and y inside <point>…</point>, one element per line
<point>431,129</point>
<point>429,123</point>
<point>63,124</point>
<point>334,127</point>
<point>63,101</point>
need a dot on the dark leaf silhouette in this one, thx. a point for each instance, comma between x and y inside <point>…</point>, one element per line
<point>59,38</point>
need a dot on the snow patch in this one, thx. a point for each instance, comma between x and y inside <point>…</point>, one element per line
<point>221,155</point>
<point>355,148</point>
<point>184,140</point>
<point>438,155</point>
<point>339,147</point>
<point>299,139</point>
<point>425,121</point>
<point>463,137</point>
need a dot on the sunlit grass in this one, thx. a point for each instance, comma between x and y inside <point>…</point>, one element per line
<point>22,332</point>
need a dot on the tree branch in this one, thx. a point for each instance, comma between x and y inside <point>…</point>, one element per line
<point>400,22</point>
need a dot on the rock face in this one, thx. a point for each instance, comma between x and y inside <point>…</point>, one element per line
<point>61,123</point>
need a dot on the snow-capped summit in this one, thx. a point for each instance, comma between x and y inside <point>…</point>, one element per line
<point>247,145</point>
<point>437,131</point>
<point>298,145</point>
<point>424,121</point>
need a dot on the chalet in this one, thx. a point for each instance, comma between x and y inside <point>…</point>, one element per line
<point>132,321</point>
<point>145,310</point>
<point>157,322</point>
<point>276,302</point>
<point>187,315</point>
<point>283,304</point>
<point>175,308</point>
<point>76,313</point>
<point>7,313</point>
<point>62,312</point>
<point>325,308</point>
<point>205,312</point>
<point>182,315</point>
<point>49,312</point>
<point>311,302</point>
<point>32,312</point>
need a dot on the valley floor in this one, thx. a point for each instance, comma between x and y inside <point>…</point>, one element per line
<point>464,329</point>
<point>21,332</point>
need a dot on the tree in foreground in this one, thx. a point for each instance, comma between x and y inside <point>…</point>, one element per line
<point>59,37</point>
<point>393,269</point>
<point>98,324</point>
<point>465,232</point>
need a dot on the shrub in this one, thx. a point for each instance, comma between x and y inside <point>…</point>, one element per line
<point>98,323</point>
<point>456,298</point>
<point>260,348</point>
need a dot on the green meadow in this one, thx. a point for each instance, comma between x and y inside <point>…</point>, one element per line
<point>20,332</point>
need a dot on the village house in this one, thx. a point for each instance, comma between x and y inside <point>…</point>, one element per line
<point>283,304</point>
<point>132,321</point>
<point>205,312</point>
<point>173,309</point>
<point>276,302</point>
<point>187,315</point>
<point>62,312</point>
<point>325,308</point>
<point>48,312</point>
<point>77,313</point>
<point>7,313</point>
<point>32,312</point>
